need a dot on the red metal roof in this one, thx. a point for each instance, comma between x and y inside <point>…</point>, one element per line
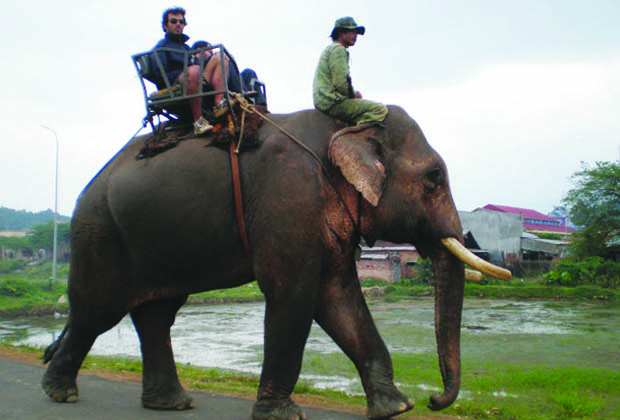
<point>526,213</point>
<point>529,214</point>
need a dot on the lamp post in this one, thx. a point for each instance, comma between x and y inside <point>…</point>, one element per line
<point>53,279</point>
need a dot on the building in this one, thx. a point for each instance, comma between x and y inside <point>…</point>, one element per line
<point>505,236</point>
<point>387,261</point>
<point>533,221</point>
<point>14,233</point>
<point>497,234</point>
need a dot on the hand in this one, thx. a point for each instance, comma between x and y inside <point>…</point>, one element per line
<point>358,94</point>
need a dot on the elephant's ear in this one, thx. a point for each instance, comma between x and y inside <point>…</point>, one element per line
<point>357,155</point>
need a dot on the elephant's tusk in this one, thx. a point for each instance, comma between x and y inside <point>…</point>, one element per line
<point>473,276</point>
<point>478,263</point>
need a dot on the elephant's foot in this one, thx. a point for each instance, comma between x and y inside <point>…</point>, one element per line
<point>387,405</point>
<point>60,388</point>
<point>277,410</point>
<point>172,400</point>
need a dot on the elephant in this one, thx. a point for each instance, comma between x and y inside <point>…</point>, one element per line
<point>147,233</point>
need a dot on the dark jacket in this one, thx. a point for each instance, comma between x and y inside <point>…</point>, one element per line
<point>171,61</point>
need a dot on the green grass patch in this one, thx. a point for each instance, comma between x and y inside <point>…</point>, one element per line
<point>19,296</point>
<point>246,293</point>
<point>495,391</point>
<point>38,271</point>
<point>395,292</point>
<point>508,391</point>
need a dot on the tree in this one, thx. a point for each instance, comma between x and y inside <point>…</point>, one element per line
<point>15,243</point>
<point>42,236</point>
<point>22,219</point>
<point>594,205</point>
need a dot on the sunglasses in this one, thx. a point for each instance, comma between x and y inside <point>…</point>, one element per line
<point>175,20</point>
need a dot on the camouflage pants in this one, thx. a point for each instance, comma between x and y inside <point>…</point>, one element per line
<point>357,111</point>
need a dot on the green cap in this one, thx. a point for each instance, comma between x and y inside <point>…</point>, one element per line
<point>348,23</point>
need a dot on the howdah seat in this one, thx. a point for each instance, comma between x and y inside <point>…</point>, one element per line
<point>171,102</point>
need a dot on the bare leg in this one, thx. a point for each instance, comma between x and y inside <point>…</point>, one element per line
<point>161,389</point>
<point>342,312</point>
<point>213,74</point>
<point>193,80</point>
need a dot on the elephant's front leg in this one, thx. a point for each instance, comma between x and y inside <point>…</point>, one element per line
<point>288,317</point>
<point>161,389</point>
<point>342,312</point>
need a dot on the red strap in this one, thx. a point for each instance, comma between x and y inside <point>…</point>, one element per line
<point>234,166</point>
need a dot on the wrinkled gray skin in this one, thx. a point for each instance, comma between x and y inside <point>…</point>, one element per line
<point>146,233</point>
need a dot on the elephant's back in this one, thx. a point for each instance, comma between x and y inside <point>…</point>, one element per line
<point>288,147</point>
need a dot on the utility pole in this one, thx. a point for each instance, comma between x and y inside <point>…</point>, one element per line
<point>54,247</point>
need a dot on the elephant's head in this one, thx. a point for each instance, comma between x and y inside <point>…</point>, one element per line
<point>408,200</point>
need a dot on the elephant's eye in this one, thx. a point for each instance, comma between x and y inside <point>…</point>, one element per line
<point>432,179</point>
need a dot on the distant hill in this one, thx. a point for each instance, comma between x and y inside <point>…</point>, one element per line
<point>21,219</point>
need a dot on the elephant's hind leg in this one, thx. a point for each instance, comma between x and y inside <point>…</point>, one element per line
<point>161,389</point>
<point>342,312</point>
<point>59,380</point>
<point>69,351</point>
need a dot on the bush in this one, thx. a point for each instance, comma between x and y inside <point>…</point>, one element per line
<point>593,271</point>
<point>372,282</point>
<point>7,266</point>
<point>16,287</point>
<point>422,274</point>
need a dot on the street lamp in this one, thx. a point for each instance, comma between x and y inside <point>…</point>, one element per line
<point>53,279</point>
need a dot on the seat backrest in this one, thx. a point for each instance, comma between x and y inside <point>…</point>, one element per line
<point>144,65</point>
<point>145,68</point>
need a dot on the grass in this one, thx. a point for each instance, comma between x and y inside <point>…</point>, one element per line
<point>538,392</point>
<point>499,391</point>
<point>489,390</point>
<point>246,293</point>
<point>24,297</point>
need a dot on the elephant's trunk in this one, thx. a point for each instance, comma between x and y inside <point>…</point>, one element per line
<point>448,269</point>
<point>449,282</point>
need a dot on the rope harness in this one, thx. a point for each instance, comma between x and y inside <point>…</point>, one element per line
<point>234,163</point>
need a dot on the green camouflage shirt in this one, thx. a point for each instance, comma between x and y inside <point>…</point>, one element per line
<point>332,83</point>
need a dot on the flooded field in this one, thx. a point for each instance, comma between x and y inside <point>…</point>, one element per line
<point>231,336</point>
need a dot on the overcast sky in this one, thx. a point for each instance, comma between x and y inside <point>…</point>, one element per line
<point>513,94</point>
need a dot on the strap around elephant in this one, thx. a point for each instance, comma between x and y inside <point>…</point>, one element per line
<point>234,166</point>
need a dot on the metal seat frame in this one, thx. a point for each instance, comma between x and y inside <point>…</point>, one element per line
<point>171,102</point>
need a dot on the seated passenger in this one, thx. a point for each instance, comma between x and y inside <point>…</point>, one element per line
<point>237,82</point>
<point>233,82</point>
<point>173,24</point>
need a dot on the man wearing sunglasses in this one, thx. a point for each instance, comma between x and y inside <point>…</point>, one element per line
<point>173,24</point>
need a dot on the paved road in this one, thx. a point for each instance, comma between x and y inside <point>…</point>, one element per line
<point>21,397</point>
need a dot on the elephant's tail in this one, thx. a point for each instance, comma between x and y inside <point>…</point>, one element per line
<point>53,348</point>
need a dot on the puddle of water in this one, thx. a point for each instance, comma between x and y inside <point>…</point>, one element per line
<point>231,336</point>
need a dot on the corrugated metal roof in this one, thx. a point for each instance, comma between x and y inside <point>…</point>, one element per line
<point>375,256</point>
<point>548,228</point>
<point>388,248</point>
<point>526,213</point>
